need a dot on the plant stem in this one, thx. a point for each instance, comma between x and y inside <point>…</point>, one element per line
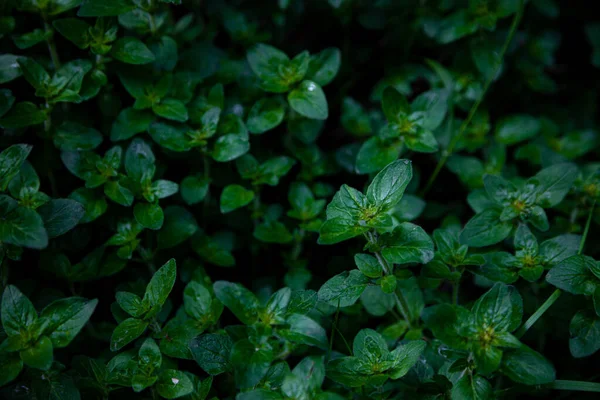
<point>587,229</point>
<point>337,315</point>
<point>387,271</point>
<point>453,142</point>
<point>52,46</point>
<point>539,312</point>
<point>206,171</point>
<point>574,385</point>
<point>297,249</point>
<point>455,287</point>
<point>556,294</point>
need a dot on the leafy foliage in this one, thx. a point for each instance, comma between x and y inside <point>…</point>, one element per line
<point>298,199</point>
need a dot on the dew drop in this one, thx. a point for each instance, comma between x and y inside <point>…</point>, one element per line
<point>175,381</point>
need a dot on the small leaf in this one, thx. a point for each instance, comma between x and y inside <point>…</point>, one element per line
<point>161,284</point>
<point>265,114</point>
<point>130,50</point>
<point>308,99</point>
<point>234,197</point>
<point>148,215</point>
<point>60,216</point>
<point>211,351</point>
<point>343,290</point>
<point>126,332</point>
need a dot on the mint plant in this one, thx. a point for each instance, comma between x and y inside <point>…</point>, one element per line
<point>296,199</point>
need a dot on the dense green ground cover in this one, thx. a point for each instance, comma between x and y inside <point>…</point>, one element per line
<point>299,199</point>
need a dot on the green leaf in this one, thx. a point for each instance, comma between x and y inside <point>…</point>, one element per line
<point>148,215</point>
<point>11,366</point>
<point>39,355</point>
<point>173,384</point>
<point>242,302</point>
<point>11,160</point>
<point>405,357</point>
<point>161,189</point>
<point>265,114</point>
<point>486,229</point>
<point>343,289</point>
<point>370,347</point>
<point>65,318</point>
<point>60,216</point>
<point>6,101</point>
<point>130,50</point>
<point>60,6</point>
<point>211,351</point>
<point>27,40</point>
<point>21,115</point>
<point>408,243</point>
<point>368,265</point>
<point>574,275</point>
<point>265,61</point>
<point>336,230</point>
<point>229,147</point>
<point>131,303</point>
<point>161,284</point>
<point>411,296</point>
<point>376,302</point>
<point>9,67</point>
<point>324,66</point>
<point>500,308</point>
<point>93,202</point>
<point>308,99</point>
<point>118,193</point>
<point>126,332</point>
<point>387,188</point>
<point>376,153</point>
<point>272,232</point>
<point>471,387</point>
<point>527,366</point>
<point>394,104</point>
<point>165,51</point>
<point>18,314</point>
<point>553,183</point>
<point>517,128</point>
<point>432,106</point>
<point>304,330</point>
<point>585,334</point>
<point>234,197</point>
<point>75,30</point>
<point>171,109</point>
<point>212,251</point>
<point>194,189</point>
<point>35,74</point>
<point>129,123</point>
<point>179,225</point>
<point>21,226</point>
<point>349,371</point>
<point>197,300</point>
<point>149,354</point>
<point>250,363</point>
<point>259,394</point>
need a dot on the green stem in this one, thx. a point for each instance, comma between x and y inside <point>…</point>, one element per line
<point>455,287</point>
<point>587,228</point>
<point>556,294</point>
<point>297,249</point>
<point>387,271</point>
<point>337,315</point>
<point>52,46</point>
<point>539,312</point>
<point>448,152</point>
<point>574,385</point>
<point>206,165</point>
